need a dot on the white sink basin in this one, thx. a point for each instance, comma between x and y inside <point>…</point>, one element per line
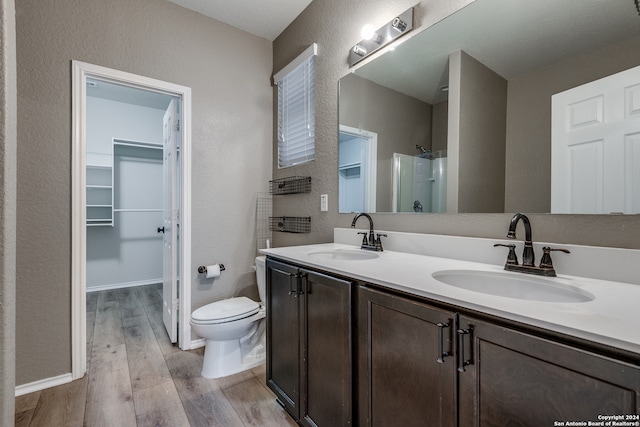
<point>345,254</point>
<point>513,285</point>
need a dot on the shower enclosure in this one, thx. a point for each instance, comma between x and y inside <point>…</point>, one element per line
<point>420,182</point>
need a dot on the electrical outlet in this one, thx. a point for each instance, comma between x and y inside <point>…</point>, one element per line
<point>324,202</point>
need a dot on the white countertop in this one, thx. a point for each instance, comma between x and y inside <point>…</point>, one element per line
<point>612,318</point>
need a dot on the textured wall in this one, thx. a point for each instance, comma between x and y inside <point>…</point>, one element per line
<point>335,26</point>
<point>8,120</point>
<point>228,71</point>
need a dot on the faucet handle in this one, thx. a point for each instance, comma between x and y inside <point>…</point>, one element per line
<point>512,258</point>
<point>365,242</point>
<point>546,262</point>
<point>379,242</point>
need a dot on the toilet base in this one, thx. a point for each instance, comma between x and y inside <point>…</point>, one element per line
<point>223,358</point>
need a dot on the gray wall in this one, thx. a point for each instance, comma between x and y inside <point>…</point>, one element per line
<point>440,124</point>
<point>481,137</point>
<point>400,121</point>
<point>228,71</point>
<point>8,162</point>
<point>335,26</point>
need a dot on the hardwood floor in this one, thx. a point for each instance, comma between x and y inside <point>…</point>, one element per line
<point>136,377</point>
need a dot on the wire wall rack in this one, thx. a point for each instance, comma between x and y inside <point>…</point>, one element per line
<point>291,224</point>
<point>290,185</point>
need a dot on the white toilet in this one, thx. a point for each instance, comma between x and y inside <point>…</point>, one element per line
<point>234,330</point>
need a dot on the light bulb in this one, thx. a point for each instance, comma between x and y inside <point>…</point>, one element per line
<point>368,32</point>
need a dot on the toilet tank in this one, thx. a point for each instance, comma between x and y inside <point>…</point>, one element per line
<point>261,276</point>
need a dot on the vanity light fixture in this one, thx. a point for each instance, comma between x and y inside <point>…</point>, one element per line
<point>373,40</point>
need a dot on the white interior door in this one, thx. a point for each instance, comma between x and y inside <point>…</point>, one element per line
<point>595,146</point>
<point>171,137</point>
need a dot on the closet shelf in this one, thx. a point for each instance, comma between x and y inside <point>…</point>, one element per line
<point>137,210</point>
<point>290,224</point>
<point>290,185</point>
<point>99,193</point>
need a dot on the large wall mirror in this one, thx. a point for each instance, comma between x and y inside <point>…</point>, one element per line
<point>503,106</point>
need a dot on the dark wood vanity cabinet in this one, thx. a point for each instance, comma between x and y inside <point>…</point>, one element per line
<point>309,357</point>
<point>491,375</point>
<point>513,378</point>
<point>421,363</point>
<point>406,367</point>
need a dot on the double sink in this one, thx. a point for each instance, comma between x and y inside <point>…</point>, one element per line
<point>504,284</point>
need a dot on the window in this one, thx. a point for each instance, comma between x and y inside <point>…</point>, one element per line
<point>296,109</point>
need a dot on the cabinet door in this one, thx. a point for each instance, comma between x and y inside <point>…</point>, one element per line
<point>515,379</point>
<point>327,373</point>
<point>404,377</point>
<point>283,307</point>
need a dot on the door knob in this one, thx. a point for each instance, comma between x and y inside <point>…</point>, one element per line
<point>160,230</point>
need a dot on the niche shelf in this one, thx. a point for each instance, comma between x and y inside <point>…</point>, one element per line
<point>290,185</point>
<point>99,190</point>
<point>290,224</point>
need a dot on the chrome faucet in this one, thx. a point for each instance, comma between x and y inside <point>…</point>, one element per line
<point>370,243</point>
<point>528,256</point>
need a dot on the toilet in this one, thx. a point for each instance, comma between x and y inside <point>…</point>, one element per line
<point>234,330</point>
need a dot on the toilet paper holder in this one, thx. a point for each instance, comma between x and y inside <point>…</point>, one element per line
<point>203,268</point>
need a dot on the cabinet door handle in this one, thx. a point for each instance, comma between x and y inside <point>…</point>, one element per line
<point>462,362</point>
<point>301,289</point>
<point>441,353</point>
<point>294,285</point>
<point>291,277</point>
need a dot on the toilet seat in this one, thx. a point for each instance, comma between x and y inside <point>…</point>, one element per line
<point>225,311</point>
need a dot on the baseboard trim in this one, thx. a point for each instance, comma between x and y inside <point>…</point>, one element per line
<point>42,384</point>
<point>123,285</point>
<point>197,343</point>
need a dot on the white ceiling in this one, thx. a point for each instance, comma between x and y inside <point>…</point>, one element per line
<point>263,18</point>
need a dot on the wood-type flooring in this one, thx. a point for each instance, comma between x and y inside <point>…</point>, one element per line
<point>136,377</point>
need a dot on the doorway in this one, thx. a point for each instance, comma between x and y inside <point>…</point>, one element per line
<point>357,170</point>
<point>97,208</point>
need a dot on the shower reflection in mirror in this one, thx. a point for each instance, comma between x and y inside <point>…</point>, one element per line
<point>419,182</point>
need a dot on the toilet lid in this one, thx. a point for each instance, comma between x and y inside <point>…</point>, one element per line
<point>226,310</point>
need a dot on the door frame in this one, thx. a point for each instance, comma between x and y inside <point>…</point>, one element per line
<point>371,158</point>
<point>80,72</point>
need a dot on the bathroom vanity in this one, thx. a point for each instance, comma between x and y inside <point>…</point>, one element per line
<point>362,338</point>
<point>309,357</point>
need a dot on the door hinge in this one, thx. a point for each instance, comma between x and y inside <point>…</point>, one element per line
<point>176,305</point>
<point>178,125</point>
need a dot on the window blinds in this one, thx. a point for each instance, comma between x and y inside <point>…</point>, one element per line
<point>296,110</point>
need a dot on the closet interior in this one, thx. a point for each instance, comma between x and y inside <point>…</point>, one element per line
<point>124,189</point>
